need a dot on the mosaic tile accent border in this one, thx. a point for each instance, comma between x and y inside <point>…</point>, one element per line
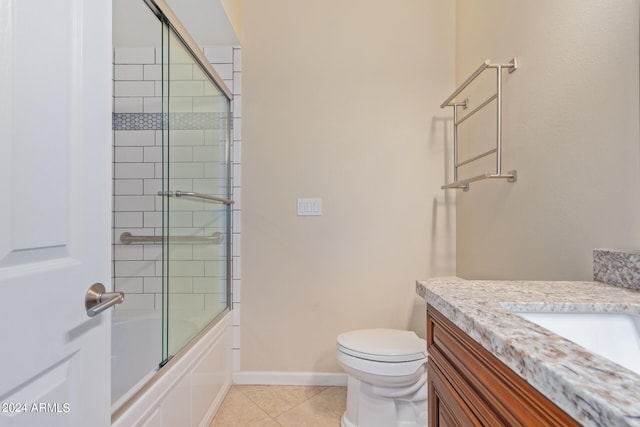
<point>178,121</point>
<point>617,268</point>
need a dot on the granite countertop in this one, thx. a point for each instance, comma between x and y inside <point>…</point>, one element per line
<point>590,388</point>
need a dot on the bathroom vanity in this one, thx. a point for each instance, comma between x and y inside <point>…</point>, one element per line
<point>469,386</point>
<point>490,366</point>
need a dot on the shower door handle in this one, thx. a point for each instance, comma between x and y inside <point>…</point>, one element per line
<point>180,193</point>
<point>97,300</point>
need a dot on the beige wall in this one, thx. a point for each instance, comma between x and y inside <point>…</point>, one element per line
<point>340,101</point>
<point>570,129</point>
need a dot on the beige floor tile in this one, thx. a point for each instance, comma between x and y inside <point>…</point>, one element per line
<point>276,400</point>
<point>238,410</point>
<point>322,410</point>
<point>271,423</point>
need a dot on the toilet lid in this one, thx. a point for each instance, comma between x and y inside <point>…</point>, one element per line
<point>384,345</point>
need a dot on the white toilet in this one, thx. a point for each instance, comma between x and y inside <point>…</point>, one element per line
<point>387,378</point>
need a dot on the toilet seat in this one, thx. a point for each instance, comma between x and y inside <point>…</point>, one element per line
<point>383,345</point>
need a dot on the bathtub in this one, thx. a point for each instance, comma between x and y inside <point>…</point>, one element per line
<point>186,391</point>
<point>136,345</point>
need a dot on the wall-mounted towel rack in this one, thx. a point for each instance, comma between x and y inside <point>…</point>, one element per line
<point>128,238</point>
<point>510,176</point>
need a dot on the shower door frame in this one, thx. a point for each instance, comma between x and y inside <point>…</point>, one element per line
<point>168,18</point>
<point>164,13</point>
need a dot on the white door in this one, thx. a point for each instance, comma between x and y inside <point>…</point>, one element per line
<point>55,210</point>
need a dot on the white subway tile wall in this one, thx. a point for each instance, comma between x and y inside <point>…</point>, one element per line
<point>137,268</point>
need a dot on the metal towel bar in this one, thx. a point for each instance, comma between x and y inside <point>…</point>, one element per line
<point>510,176</point>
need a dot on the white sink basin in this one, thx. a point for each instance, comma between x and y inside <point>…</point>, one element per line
<point>615,336</point>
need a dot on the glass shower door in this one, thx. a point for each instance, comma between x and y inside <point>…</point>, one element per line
<point>196,206</point>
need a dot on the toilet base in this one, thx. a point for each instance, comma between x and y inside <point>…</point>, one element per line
<point>367,408</point>
<point>344,421</point>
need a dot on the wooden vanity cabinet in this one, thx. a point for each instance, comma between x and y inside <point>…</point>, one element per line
<point>469,386</point>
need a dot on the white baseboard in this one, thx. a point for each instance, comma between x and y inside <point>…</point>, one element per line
<point>290,378</point>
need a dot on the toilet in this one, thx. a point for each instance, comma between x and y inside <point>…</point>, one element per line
<point>387,378</point>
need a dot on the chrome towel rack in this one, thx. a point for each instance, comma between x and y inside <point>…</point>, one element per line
<point>128,238</point>
<point>510,176</point>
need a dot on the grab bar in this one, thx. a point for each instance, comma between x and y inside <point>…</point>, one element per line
<point>179,193</point>
<point>128,238</point>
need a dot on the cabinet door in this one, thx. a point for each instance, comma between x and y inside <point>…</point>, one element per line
<point>446,407</point>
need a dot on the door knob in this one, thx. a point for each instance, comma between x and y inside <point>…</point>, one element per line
<point>97,300</point>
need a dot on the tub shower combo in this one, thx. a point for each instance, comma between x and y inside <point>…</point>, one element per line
<point>172,239</point>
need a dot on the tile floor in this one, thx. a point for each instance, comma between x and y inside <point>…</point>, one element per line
<point>281,406</point>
